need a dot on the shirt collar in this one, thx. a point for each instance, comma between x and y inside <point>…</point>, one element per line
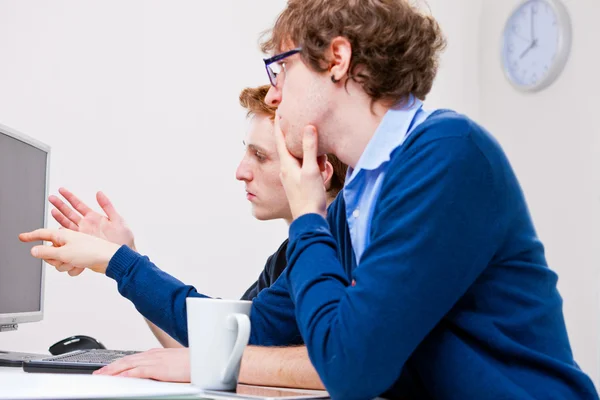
<point>391,133</point>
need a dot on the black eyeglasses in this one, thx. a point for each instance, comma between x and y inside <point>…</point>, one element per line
<point>273,66</point>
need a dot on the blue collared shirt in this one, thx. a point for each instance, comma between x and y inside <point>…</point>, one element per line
<point>363,183</point>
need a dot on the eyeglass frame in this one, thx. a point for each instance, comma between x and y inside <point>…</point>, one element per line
<point>278,57</point>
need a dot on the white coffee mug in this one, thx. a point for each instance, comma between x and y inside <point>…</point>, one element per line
<point>218,332</point>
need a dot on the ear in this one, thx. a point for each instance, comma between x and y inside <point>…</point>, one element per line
<point>327,173</point>
<point>340,52</point>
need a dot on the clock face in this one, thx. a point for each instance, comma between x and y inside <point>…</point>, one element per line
<point>534,48</point>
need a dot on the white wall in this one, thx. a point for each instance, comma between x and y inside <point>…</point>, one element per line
<point>553,142</point>
<point>457,82</point>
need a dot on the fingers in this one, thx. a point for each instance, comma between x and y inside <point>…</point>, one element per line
<point>119,366</point>
<point>54,263</point>
<point>322,161</point>
<point>47,253</point>
<point>144,372</point>
<point>279,139</point>
<point>285,158</point>
<point>309,149</point>
<point>66,212</point>
<point>50,254</point>
<point>77,204</point>
<point>107,206</point>
<point>171,365</point>
<point>48,235</point>
<point>128,362</point>
<point>62,220</point>
<point>76,271</point>
<point>63,267</point>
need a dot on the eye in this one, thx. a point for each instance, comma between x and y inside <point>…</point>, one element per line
<point>260,156</point>
<point>277,67</point>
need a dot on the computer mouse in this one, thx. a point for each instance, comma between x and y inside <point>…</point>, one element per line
<point>72,343</point>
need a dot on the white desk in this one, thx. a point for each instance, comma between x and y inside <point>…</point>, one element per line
<point>17,384</point>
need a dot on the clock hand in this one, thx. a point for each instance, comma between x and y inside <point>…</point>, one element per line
<point>531,46</point>
<point>532,24</point>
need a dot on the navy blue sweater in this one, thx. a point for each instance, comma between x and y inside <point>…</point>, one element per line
<point>453,296</point>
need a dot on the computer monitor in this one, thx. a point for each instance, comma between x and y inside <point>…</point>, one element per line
<point>24,166</point>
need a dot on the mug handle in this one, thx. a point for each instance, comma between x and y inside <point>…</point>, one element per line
<point>242,323</point>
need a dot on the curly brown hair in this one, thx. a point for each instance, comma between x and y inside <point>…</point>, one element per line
<point>253,100</point>
<point>395,47</point>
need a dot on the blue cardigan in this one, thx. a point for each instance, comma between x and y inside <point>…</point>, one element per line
<point>453,297</point>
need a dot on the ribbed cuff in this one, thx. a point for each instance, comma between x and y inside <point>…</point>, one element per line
<point>305,224</point>
<point>121,262</point>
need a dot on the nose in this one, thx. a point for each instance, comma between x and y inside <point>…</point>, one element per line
<point>273,97</point>
<point>243,172</point>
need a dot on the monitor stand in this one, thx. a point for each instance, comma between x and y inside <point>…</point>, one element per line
<point>12,358</point>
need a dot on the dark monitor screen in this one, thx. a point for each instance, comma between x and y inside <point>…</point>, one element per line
<point>22,209</point>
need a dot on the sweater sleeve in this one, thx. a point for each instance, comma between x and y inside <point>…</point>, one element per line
<point>158,296</point>
<point>161,299</point>
<point>434,229</point>
<point>272,318</point>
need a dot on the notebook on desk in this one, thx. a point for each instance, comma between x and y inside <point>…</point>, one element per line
<point>249,392</point>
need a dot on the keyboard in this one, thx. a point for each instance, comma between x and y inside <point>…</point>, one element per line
<point>75,362</point>
<point>15,359</point>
